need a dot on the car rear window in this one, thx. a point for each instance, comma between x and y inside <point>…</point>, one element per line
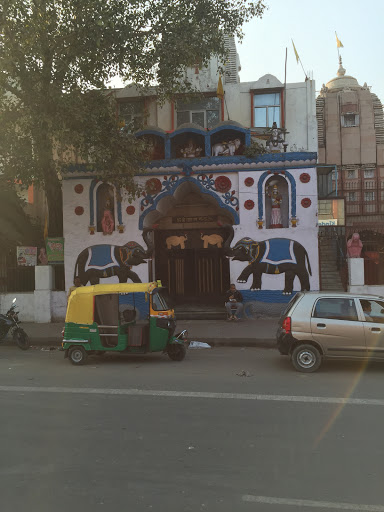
<point>336,308</point>
<point>290,304</point>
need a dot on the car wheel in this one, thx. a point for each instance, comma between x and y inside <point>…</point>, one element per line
<point>306,358</point>
<point>77,355</point>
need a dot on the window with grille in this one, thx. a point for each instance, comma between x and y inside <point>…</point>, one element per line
<point>351,174</point>
<point>266,110</point>
<point>205,113</point>
<point>132,115</point>
<point>369,173</point>
<point>352,196</point>
<point>369,196</point>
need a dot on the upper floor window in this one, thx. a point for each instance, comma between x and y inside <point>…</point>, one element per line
<point>352,196</point>
<point>369,196</point>
<point>205,113</point>
<point>266,110</point>
<point>369,173</point>
<point>348,120</point>
<point>351,174</point>
<point>132,115</point>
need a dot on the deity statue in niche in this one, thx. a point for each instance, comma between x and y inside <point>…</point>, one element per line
<point>191,150</point>
<point>108,220</point>
<point>276,200</point>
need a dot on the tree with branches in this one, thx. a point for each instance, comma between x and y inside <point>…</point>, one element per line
<point>56,57</point>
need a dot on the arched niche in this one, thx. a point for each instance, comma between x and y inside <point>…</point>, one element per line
<point>188,142</point>
<point>280,201</point>
<point>229,135</point>
<point>155,146</point>
<point>105,208</point>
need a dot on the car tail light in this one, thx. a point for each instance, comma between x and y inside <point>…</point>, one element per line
<point>287,325</point>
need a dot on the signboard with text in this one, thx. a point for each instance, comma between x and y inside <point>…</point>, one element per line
<point>26,256</point>
<point>55,250</point>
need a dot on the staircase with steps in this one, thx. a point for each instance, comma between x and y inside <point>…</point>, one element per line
<point>329,274</point>
<point>200,312</point>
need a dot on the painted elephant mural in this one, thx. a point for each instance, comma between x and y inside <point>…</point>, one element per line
<point>100,261</point>
<point>273,256</point>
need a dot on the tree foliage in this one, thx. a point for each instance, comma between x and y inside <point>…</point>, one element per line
<point>56,57</point>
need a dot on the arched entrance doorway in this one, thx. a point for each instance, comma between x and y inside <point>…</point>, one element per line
<point>189,256</point>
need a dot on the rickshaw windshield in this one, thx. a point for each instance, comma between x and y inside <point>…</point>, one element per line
<point>159,302</point>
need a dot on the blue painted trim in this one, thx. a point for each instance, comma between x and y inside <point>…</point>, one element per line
<point>91,203</point>
<point>229,126</point>
<point>210,171</point>
<point>217,160</point>
<point>171,190</point>
<point>161,134</point>
<point>260,194</point>
<point>187,130</point>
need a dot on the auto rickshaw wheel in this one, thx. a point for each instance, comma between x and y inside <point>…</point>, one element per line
<point>176,352</point>
<point>77,355</point>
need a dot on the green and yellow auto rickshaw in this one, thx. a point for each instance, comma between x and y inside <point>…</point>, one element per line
<point>127,318</point>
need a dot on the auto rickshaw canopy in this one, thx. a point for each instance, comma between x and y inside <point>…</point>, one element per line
<point>80,309</point>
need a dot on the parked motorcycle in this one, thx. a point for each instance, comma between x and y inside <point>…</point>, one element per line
<point>9,323</point>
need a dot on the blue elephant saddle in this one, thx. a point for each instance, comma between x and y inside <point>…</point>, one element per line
<point>101,257</point>
<point>278,251</point>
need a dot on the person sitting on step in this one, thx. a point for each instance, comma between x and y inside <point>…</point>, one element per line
<point>233,303</point>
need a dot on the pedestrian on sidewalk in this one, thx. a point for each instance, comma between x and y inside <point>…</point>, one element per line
<point>76,283</point>
<point>233,303</point>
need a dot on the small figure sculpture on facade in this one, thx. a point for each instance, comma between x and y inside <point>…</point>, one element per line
<point>191,151</point>
<point>276,143</point>
<point>108,221</point>
<point>43,258</point>
<point>354,246</point>
<point>276,199</point>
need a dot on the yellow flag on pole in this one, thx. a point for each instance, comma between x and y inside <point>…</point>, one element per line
<point>296,54</point>
<point>220,90</point>
<point>338,42</point>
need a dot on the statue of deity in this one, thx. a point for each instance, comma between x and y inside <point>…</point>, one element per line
<point>191,151</point>
<point>354,246</point>
<point>276,199</point>
<point>108,221</point>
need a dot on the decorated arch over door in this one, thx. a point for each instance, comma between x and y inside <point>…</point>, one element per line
<point>205,184</point>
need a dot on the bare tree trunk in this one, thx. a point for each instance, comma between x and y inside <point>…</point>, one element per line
<point>55,203</point>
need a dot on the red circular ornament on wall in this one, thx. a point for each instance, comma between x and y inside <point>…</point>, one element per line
<point>79,210</point>
<point>223,184</point>
<point>249,204</point>
<point>249,182</point>
<point>79,188</point>
<point>130,210</point>
<point>305,177</point>
<point>153,186</point>
<point>306,202</point>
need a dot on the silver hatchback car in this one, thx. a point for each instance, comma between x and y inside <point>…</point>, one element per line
<point>317,325</point>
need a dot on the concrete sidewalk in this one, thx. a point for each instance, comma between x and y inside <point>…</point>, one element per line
<point>244,333</point>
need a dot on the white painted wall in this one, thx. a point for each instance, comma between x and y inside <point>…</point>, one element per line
<point>77,236</point>
<point>300,109</point>
<point>30,308</point>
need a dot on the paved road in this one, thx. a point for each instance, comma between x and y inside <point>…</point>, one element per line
<point>148,434</point>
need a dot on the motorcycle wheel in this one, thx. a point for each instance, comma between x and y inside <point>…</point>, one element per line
<point>22,340</point>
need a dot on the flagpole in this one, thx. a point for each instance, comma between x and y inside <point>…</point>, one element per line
<point>337,46</point>
<point>285,88</point>
<point>226,106</point>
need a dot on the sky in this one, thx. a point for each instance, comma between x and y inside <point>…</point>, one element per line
<point>312,24</point>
